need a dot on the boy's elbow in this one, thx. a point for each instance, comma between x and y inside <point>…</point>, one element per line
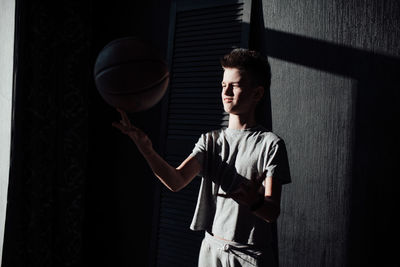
<point>178,185</point>
<point>175,188</point>
<point>179,182</point>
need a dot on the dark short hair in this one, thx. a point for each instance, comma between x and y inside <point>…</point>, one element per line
<point>250,62</point>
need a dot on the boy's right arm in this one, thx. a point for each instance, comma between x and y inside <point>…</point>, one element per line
<point>173,178</point>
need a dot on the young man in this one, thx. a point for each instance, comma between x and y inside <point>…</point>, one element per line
<point>243,168</point>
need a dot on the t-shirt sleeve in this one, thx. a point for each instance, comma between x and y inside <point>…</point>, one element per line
<point>277,165</point>
<point>199,149</point>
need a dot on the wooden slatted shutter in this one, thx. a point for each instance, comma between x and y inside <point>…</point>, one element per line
<point>199,35</point>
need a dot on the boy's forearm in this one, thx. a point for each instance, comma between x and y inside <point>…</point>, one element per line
<point>268,211</point>
<point>167,174</point>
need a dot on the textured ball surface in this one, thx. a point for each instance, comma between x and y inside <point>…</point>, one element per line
<point>130,75</point>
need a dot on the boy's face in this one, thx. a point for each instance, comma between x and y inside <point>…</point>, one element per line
<point>238,96</point>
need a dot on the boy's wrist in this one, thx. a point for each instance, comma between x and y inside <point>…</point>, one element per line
<point>148,152</point>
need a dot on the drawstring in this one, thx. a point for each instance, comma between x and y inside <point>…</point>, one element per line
<point>225,247</point>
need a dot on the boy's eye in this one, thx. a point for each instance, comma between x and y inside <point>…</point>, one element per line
<point>234,86</point>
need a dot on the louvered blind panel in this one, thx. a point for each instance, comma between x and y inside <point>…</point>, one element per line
<point>201,37</point>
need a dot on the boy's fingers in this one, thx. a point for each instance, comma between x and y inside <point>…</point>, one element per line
<point>123,128</point>
<point>262,177</point>
<point>234,194</point>
<point>120,127</point>
<point>117,125</point>
<point>228,195</point>
<point>124,117</point>
<point>258,180</point>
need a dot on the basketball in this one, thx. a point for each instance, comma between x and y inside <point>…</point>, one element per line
<point>129,74</point>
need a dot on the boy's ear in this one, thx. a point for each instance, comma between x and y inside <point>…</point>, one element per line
<point>259,93</point>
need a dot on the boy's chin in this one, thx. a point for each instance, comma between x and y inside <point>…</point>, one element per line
<point>228,110</point>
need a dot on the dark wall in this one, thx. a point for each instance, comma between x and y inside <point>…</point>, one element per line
<point>120,187</point>
<point>334,97</point>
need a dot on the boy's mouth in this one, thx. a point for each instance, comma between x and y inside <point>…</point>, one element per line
<point>227,99</point>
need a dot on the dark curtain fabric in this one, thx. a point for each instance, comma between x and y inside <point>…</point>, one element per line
<point>45,213</point>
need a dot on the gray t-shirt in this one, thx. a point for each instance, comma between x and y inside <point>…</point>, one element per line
<point>228,157</point>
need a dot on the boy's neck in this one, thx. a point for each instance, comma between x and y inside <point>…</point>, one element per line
<point>242,121</point>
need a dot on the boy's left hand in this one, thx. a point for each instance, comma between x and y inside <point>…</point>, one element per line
<point>248,192</point>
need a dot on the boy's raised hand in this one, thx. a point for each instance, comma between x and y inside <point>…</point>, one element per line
<point>141,140</point>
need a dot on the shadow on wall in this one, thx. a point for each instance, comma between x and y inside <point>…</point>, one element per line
<point>374,184</point>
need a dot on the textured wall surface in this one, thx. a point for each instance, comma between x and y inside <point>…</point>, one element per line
<point>312,111</point>
<point>366,24</point>
<point>334,69</point>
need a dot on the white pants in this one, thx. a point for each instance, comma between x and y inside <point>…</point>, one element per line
<point>215,252</point>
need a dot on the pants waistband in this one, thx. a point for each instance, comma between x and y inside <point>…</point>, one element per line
<point>227,245</point>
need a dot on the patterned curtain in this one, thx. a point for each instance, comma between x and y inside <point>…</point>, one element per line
<point>45,213</point>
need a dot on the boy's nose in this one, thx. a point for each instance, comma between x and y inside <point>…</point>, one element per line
<point>229,91</point>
